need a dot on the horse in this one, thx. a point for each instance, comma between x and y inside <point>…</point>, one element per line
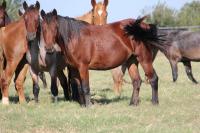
<point>4,20</point>
<point>52,61</point>
<point>184,47</point>
<point>98,14</point>
<point>103,47</point>
<point>13,41</point>
<point>173,36</point>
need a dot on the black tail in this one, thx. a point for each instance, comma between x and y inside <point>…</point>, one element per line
<point>148,36</point>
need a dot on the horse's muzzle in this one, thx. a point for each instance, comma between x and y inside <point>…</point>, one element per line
<point>31,36</point>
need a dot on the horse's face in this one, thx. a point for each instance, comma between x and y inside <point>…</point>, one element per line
<point>99,12</point>
<point>49,28</point>
<point>2,14</point>
<point>31,18</point>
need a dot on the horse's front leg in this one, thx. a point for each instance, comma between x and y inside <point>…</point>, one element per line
<point>20,75</point>
<point>84,75</point>
<point>174,68</point>
<point>43,78</point>
<point>6,79</point>
<point>54,87</point>
<point>36,88</point>
<point>64,84</point>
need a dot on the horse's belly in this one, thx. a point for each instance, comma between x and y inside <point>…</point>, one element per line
<point>192,54</point>
<point>108,60</point>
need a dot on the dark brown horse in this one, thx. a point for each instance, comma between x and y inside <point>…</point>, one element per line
<point>13,40</point>
<point>103,47</point>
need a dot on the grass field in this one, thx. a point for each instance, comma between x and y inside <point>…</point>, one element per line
<point>178,111</point>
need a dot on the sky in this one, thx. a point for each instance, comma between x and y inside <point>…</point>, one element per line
<point>117,9</point>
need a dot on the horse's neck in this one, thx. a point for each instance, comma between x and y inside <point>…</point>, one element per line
<point>86,17</point>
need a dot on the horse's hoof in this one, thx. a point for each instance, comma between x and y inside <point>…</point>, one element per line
<point>155,102</point>
<point>55,99</point>
<point>135,102</point>
<point>5,101</point>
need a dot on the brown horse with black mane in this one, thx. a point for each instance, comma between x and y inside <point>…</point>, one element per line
<point>103,47</point>
<point>13,41</point>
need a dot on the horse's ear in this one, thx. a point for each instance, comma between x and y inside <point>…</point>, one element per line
<point>54,12</point>
<point>37,5</point>
<point>25,6</point>
<point>105,3</point>
<point>4,4</point>
<point>20,13</point>
<point>93,2</point>
<point>43,14</point>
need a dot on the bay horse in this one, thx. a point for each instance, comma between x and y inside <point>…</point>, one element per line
<point>103,47</point>
<point>53,62</point>
<point>13,41</point>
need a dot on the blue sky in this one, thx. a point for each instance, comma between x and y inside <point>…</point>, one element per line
<point>117,9</point>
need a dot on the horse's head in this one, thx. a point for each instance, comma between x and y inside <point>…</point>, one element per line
<point>2,13</point>
<point>99,12</point>
<point>31,18</point>
<point>49,28</point>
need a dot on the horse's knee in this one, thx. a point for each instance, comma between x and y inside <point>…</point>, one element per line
<point>137,83</point>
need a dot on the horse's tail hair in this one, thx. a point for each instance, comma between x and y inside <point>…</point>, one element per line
<point>147,35</point>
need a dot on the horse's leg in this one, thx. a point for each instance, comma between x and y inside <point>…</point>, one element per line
<point>174,69</point>
<point>74,80</point>
<point>117,75</point>
<point>54,87</point>
<point>36,88</point>
<point>64,84</point>
<point>1,69</point>
<point>6,78</point>
<point>20,75</point>
<point>153,79</point>
<point>84,74</point>
<point>43,78</point>
<point>136,81</point>
<point>188,69</point>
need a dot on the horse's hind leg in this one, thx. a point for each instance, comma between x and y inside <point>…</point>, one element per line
<point>64,84</point>
<point>188,69</point>
<point>20,75</point>
<point>153,79</point>
<point>117,75</point>
<point>174,69</point>
<point>136,81</point>
<point>43,78</point>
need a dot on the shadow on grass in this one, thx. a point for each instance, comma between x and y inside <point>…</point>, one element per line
<point>15,99</point>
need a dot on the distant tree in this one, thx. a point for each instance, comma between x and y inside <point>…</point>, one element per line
<point>12,7</point>
<point>162,15</point>
<point>189,14</point>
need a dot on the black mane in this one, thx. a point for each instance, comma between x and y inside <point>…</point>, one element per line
<point>70,27</point>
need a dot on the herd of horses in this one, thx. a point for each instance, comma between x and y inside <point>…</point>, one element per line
<point>47,42</point>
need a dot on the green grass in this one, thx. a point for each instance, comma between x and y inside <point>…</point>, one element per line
<point>178,111</point>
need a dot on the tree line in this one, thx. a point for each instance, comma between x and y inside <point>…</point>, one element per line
<point>163,15</point>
